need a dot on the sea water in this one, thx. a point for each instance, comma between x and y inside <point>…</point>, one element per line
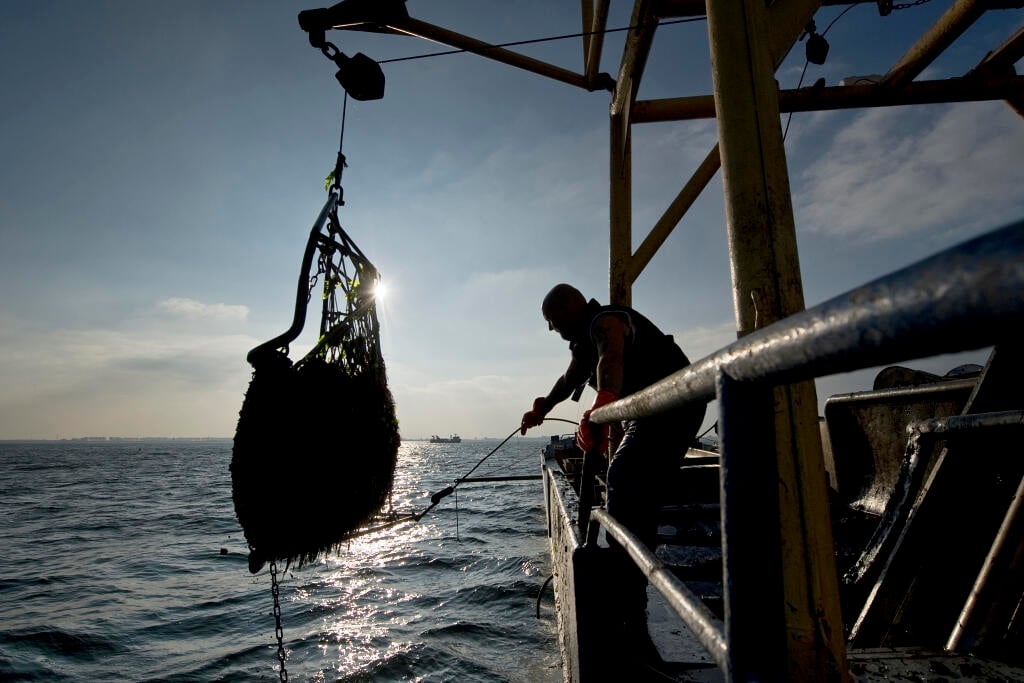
<point>123,561</point>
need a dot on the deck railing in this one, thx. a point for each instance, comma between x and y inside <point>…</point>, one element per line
<point>705,625</point>
<point>967,297</point>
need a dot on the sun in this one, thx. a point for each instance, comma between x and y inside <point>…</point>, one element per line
<point>380,291</point>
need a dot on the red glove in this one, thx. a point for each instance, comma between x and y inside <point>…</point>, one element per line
<point>586,432</point>
<point>533,417</point>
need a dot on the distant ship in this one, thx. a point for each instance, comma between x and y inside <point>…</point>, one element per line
<point>454,438</point>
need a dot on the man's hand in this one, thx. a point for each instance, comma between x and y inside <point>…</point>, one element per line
<point>587,432</point>
<point>534,417</point>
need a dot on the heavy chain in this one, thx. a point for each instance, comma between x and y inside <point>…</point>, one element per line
<point>908,5</point>
<point>278,631</point>
<point>887,7</point>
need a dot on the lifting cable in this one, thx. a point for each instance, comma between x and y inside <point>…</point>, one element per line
<point>885,7</point>
<point>564,36</point>
<point>304,411</point>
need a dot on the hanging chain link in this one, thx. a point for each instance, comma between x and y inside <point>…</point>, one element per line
<point>278,631</point>
<point>330,50</point>
<point>908,5</point>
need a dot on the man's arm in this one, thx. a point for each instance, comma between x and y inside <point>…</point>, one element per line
<point>574,375</point>
<point>609,333</point>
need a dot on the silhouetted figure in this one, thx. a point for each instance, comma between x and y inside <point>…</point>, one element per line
<point>618,351</point>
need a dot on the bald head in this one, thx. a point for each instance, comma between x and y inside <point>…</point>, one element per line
<point>562,308</point>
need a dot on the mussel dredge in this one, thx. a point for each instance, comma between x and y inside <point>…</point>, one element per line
<point>882,541</point>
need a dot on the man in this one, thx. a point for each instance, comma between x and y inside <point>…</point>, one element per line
<point>618,351</point>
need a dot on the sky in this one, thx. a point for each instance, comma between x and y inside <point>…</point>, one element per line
<point>163,163</point>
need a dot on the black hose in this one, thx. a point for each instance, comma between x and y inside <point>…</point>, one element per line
<point>540,593</point>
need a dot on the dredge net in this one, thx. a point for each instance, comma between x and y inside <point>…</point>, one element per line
<point>317,440</point>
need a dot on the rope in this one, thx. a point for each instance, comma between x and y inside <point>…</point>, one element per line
<point>705,432</point>
<point>445,492</point>
<point>395,520</point>
<point>481,462</point>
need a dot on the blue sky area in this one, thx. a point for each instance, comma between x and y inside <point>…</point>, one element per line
<point>163,162</point>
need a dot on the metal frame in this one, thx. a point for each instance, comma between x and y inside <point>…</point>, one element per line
<point>301,288</point>
<point>938,444</point>
<point>705,626</point>
<point>839,336</point>
<point>968,297</point>
<point>1002,574</point>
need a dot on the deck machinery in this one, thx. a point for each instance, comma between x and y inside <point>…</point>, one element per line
<point>891,546</point>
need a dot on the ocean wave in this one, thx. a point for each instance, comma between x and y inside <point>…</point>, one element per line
<point>16,669</point>
<point>30,582</point>
<point>248,664</point>
<point>424,664</point>
<point>118,574</point>
<point>57,641</point>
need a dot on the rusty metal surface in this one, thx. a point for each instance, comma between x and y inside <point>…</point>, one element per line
<point>868,433</point>
<point>959,506</point>
<point>916,665</point>
<point>562,506</point>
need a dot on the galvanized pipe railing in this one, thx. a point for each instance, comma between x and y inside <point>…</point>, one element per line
<point>964,298</point>
<point>705,626</point>
<point>967,297</point>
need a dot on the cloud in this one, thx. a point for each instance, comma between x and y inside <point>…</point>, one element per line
<point>71,351</point>
<point>896,172</point>
<point>518,289</point>
<point>807,125</point>
<point>191,309</point>
<point>481,386</point>
<point>470,405</point>
<point>142,379</point>
<point>553,176</point>
<point>682,145</point>
<point>699,342</point>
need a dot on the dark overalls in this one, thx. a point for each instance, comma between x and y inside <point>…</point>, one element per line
<point>650,450</point>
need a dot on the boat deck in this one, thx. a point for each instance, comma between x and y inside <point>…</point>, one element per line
<point>914,516</point>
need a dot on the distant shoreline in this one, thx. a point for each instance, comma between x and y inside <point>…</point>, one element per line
<point>129,439</point>
<point>118,439</point>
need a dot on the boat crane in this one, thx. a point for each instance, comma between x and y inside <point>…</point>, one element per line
<point>785,612</point>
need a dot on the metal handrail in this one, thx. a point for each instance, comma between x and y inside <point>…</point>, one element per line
<point>966,297</point>
<point>705,626</point>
